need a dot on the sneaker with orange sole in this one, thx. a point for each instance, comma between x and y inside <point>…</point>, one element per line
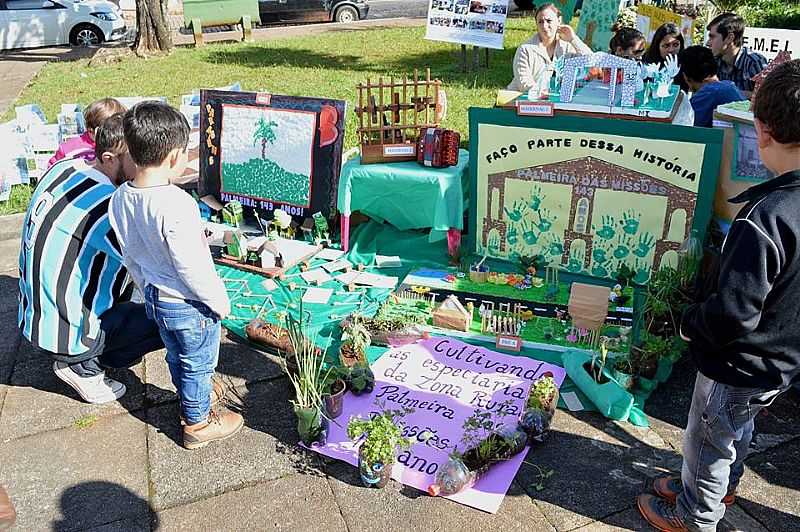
<point>660,513</point>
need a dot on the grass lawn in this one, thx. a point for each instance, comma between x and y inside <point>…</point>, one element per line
<point>328,65</point>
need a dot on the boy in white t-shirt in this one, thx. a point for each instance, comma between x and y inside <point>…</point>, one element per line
<point>163,246</point>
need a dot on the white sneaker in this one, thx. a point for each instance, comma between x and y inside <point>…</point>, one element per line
<point>97,389</point>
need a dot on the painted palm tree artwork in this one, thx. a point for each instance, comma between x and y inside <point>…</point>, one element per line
<point>267,153</point>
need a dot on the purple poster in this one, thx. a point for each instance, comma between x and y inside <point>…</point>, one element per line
<point>444,381</point>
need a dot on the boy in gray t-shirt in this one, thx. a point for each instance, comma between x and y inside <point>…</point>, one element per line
<point>163,246</point>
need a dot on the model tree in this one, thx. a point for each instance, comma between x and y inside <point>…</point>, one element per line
<point>153,33</point>
<point>264,133</point>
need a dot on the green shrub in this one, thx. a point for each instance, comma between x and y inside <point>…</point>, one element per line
<point>772,14</point>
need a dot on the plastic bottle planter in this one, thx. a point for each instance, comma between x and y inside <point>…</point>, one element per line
<point>452,478</point>
<point>374,474</point>
<point>312,426</point>
<point>535,422</point>
<point>626,380</point>
<point>334,401</point>
<point>611,399</point>
<point>462,472</point>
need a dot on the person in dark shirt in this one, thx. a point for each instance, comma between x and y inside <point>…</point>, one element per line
<point>745,338</point>
<point>735,62</point>
<point>699,70</point>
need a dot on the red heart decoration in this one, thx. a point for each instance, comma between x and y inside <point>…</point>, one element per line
<point>327,125</point>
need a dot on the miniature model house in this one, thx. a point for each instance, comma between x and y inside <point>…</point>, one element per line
<point>451,314</point>
<point>630,72</point>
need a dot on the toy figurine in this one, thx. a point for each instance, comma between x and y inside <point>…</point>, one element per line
<point>232,213</point>
<point>321,230</point>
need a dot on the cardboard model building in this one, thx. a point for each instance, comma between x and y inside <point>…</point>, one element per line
<point>629,68</point>
<point>451,314</point>
<point>588,305</point>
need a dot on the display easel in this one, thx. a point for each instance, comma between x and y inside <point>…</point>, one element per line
<point>475,58</point>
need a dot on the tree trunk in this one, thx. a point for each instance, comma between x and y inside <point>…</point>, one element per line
<point>263,149</point>
<point>153,34</point>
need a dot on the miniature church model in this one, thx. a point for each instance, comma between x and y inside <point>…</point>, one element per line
<point>629,68</point>
<point>588,307</point>
<point>451,314</point>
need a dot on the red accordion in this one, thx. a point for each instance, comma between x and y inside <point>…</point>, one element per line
<point>438,147</point>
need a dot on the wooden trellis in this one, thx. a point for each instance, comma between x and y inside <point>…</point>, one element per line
<point>390,116</point>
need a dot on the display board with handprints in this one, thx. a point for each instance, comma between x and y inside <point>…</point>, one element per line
<point>587,202</point>
<point>595,23</point>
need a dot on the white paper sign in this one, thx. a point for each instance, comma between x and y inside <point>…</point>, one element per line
<point>476,22</point>
<point>768,42</point>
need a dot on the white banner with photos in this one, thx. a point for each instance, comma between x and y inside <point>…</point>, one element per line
<point>476,22</point>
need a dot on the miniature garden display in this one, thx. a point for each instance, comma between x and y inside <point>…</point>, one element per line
<point>378,439</point>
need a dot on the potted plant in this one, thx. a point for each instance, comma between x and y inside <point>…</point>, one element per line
<point>487,442</point>
<point>307,380</point>
<point>540,408</point>
<point>355,340</point>
<point>380,437</point>
<point>277,338</point>
<point>360,379</point>
<point>622,372</point>
<point>333,392</point>
<point>590,374</point>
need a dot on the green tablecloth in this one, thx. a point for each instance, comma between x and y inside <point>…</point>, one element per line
<point>407,194</point>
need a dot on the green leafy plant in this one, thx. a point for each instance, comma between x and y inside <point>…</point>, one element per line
<point>381,435</point>
<point>355,339</point>
<point>360,379</point>
<point>542,393</point>
<point>481,442</point>
<point>540,477</point>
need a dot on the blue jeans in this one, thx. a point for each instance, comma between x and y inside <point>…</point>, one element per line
<point>715,445</point>
<point>191,334</point>
<point>128,335</point>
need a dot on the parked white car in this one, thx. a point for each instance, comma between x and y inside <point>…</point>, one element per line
<point>31,23</point>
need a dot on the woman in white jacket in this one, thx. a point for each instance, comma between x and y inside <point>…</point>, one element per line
<point>536,55</point>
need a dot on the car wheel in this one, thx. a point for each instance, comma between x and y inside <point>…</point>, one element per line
<point>85,35</point>
<point>346,14</point>
<point>524,5</point>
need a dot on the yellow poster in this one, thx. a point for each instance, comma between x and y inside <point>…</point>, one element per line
<point>589,202</point>
<point>649,18</point>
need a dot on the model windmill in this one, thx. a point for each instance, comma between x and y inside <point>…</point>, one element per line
<point>391,115</point>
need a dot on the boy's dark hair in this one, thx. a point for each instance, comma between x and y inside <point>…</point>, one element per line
<point>625,38</point>
<point>110,137</point>
<point>777,103</point>
<point>653,54</point>
<point>698,63</point>
<point>152,131</point>
<point>97,112</point>
<point>729,24</point>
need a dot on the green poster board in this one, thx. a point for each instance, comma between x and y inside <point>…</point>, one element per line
<point>596,21</point>
<point>588,194</point>
<point>567,7</point>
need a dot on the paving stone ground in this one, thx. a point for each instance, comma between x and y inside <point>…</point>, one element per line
<point>69,465</point>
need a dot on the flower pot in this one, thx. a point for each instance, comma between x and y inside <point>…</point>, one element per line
<point>334,402</point>
<point>374,475</point>
<point>312,426</point>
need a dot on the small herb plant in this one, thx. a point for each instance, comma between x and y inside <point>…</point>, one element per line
<point>309,379</point>
<point>542,392</point>
<point>482,446</point>
<point>599,362</point>
<point>382,436</point>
